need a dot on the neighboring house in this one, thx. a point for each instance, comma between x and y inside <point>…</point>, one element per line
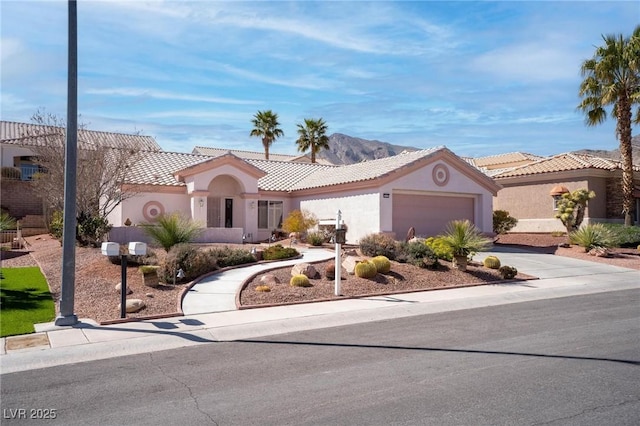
<point>530,190</point>
<point>254,155</point>
<point>246,199</point>
<point>18,142</point>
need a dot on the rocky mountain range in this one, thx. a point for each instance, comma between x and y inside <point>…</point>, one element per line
<point>614,154</point>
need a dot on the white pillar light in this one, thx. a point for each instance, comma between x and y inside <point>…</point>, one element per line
<point>338,269</point>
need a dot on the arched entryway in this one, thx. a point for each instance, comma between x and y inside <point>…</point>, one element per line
<point>224,206</point>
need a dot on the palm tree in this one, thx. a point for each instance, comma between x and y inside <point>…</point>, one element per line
<point>265,126</point>
<point>313,136</point>
<point>612,77</point>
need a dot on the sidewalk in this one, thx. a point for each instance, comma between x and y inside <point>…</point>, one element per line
<point>559,277</point>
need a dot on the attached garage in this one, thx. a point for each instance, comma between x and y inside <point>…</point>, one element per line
<point>429,214</point>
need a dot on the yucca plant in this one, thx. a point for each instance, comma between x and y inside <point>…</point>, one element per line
<point>464,238</point>
<point>6,222</point>
<point>172,229</point>
<point>592,236</point>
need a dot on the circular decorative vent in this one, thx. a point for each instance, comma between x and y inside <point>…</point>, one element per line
<point>440,174</point>
<point>152,210</point>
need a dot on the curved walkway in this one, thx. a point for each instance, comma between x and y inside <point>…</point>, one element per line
<point>217,292</point>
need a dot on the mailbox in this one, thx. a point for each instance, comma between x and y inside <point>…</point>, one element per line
<point>341,236</point>
<point>110,249</point>
<point>137,249</point>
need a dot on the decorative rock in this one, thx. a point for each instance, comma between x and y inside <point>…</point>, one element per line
<point>599,252</point>
<point>564,245</point>
<point>119,287</point>
<point>149,295</point>
<point>304,269</point>
<point>350,263</point>
<point>134,305</point>
<point>351,252</point>
<point>269,280</point>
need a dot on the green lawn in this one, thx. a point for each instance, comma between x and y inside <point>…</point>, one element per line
<point>24,300</point>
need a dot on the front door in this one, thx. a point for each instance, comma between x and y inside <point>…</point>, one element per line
<point>228,212</point>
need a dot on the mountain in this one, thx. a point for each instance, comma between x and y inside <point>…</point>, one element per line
<point>615,153</point>
<point>345,149</point>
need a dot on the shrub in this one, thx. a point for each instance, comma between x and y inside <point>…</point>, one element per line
<point>502,222</point>
<point>464,238</point>
<point>378,245</point>
<point>56,224</point>
<point>191,260</point>
<point>330,270</point>
<point>624,236</point>
<point>299,280</point>
<point>440,249</point>
<point>91,229</point>
<point>491,262</point>
<point>508,272</point>
<point>6,222</point>
<point>382,263</point>
<point>276,252</point>
<point>299,221</point>
<point>263,288</point>
<point>172,229</point>
<point>421,255</point>
<point>592,236</point>
<point>316,238</point>
<point>227,256</point>
<point>365,269</point>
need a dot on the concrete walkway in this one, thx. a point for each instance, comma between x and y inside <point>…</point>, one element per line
<point>559,277</point>
<point>217,292</point>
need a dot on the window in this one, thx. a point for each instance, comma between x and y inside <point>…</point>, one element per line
<point>556,199</point>
<point>269,214</point>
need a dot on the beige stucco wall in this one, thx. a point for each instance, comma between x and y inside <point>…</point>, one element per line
<point>9,152</point>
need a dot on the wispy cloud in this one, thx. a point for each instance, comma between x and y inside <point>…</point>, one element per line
<point>159,94</point>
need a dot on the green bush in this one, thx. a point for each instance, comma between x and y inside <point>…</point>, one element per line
<point>193,262</point>
<point>416,253</point>
<point>276,252</point>
<point>316,238</point>
<point>439,248</point>
<point>6,222</point>
<point>464,238</point>
<point>91,229</point>
<point>56,225</point>
<point>172,229</point>
<point>502,222</point>
<point>227,256</point>
<point>365,269</point>
<point>383,265</point>
<point>592,236</point>
<point>624,236</point>
<point>378,245</point>
<point>300,280</point>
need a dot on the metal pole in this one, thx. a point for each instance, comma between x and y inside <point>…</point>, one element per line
<point>338,264</point>
<point>123,286</point>
<point>67,293</point>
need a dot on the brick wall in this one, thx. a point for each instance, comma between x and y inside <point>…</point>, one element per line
<point>614,197</point>
<point>19,199</point>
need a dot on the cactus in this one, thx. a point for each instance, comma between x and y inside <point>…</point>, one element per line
<point>508,272</point>
<point>365,269</point>
<point>300,280</point>
<point>382,264</point>
<point>491,262</point>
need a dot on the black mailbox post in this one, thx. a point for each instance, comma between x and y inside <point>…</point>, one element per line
<point>341,236</point>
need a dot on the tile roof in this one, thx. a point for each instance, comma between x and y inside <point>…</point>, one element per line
<point>247,155</point>
<point>157,168</point>
<point>561,163</point>
<point>26,134</point>
<point>500,159</point>
<point>284,175</point>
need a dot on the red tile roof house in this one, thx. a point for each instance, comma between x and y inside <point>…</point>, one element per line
<point>240,197</point>
<point>530,186</point>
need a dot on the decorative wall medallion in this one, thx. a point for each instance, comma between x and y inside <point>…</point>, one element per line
<point>152,210</point>
<point>440,174</point>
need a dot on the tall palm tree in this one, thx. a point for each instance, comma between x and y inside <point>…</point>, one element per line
<point>612,78</point>
<point>313,136</point>
<point>265,126</point>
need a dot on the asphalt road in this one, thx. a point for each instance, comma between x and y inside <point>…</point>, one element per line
<point>569,361</point>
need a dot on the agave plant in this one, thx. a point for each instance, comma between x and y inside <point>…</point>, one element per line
<point>172,229</point>
<point>592,236</point>
<point>464,238</point>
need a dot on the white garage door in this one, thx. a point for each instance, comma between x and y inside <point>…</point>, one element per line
<point>428,214</point>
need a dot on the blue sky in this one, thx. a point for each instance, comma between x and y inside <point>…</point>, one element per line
<point>481,78</point>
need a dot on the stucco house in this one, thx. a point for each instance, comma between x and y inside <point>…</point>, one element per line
<point>531,186</point>
<point>245,199</point>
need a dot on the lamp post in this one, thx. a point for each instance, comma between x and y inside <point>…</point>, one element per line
<point>179,274</point>
<point>340,238</point>
<point>113,249</point>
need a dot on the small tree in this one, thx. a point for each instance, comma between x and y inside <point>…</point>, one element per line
<point>502,222</point>
<point>571,208</point>
<point>299,221</point>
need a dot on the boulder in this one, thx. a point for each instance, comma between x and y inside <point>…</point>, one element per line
<point>119,287</point>
<point>304,269</point>
<point>269,280</point>
<point>350,263</point>
<point>134,305</point>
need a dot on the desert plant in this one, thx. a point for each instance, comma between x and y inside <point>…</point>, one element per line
<point>316,238</point>
<point>365,269</point>
<point>421,255</point>
<point>378,245</point>
<point>276,252</point>
<point>508,272</point>
<point>263,288</point>
<point>56,224</point>
<point>191,260</point>
<point>172,229</point>
<point>299,221</point>
<point>299,280</point>
<point>592,236</point>
<point>491,262</point>
<point>571,207</point>
<point>91,229</point>
<point>382,263</point>
<point>7,222</point>
<point>227,256</point>
<point>624,236</point>
<point>464,238</point>
<point>502,222</point>
<point>439,248</point>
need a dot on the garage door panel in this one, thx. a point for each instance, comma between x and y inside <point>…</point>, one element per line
<point>428,214</point>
